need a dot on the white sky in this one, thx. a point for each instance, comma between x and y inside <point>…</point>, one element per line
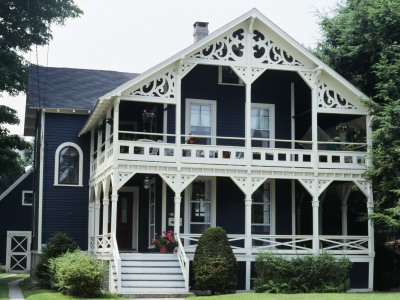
<point>134,35</point>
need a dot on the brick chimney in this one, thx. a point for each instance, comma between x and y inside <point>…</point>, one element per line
<point>200,30</point>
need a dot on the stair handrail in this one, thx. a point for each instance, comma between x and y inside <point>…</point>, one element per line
<point>117,260</point>
<point>183,261</point>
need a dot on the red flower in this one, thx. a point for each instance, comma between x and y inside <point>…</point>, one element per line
<point>190,133</point>
<point>176,250</point>
<point>164,232</point>
<point>167,242</point>
<point>191,141</point>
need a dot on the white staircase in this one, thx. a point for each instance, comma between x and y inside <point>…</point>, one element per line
<point>151,275</point>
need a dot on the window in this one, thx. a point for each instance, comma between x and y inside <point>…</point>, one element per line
<point>68,165</point>
<point>200,206</point>
<point>201,119</point>
<point>152,211</point>
<point>27,198</point>
<point>262,124</point>
<point>227,76</point>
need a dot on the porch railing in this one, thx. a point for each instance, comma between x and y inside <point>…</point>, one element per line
<point>117,263</point>
<point>183,261</point>
<point>289,244</point>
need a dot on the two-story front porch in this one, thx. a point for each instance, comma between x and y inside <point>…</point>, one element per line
<point>269,145</point>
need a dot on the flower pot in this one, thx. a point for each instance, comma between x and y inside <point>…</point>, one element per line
<point>163,249</point>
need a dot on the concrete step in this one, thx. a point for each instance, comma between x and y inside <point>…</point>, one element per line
<point>148,256</point>
<point>149,263</point>
<point>152,291</point>
<point>147,277</point>
<point>150,270</point>
<point>154,284</point>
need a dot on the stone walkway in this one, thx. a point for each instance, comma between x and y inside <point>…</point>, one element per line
<point>14,291</point>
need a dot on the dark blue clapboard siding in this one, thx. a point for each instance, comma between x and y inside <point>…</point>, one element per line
<point>13,215</point>
<point>283,204</point>
<point>36,179</point>
<point>65,209</point>
<point>230,206</point>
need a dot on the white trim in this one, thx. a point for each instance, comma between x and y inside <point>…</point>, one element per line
<point>56,164</point>
<point>271,108</point>
<point>213,193</point>
<point>23,198</point>
<point>41,158</point>
<point>213,104</point>
<point>241,83</point>
<point>164,207</point>
<point>16,183</point>
<point>151,234</point>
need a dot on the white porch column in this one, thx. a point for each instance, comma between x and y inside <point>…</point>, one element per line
<point>344,217</point>
<point>106,203</point>
<point>90,223</point>
<point>315,208</point>
<point>177,212</point>
<point>114,205</point>
<point>96,220</point>
<point>247,229</point>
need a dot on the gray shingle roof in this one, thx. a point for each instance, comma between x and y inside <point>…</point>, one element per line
<point>71,88</point>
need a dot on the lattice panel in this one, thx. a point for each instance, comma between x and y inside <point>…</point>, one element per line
<point>228,48</point>
<point>328,98</point>
<point>268,52</point>
<point>162,86</point>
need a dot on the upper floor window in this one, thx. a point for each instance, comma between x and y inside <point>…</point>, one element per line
<point>68,165</point>
<point>262,124</point>
<point>27,198</point>
<point>201,118</point>
<point>227,76</point>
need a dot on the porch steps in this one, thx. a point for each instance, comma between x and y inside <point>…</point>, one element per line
<point>152,275</point>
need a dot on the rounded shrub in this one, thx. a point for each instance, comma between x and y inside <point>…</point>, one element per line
<point>57,245</point>
<point>214,264</point>
<point>78,274</point>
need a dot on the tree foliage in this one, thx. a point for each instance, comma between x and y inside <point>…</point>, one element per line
<point>361,41</point>
<point>355,34</point>
<point>22,25</point>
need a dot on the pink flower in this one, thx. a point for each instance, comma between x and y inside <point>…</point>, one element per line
<point>190,133</point>
<point>155,233</point>
<point>176,250</point>
<point>181,240</point>
<point>153,240</point>
<point>144,110</point>
<point>152,114</point>
<point>175,233</point>
<point>191,141</point>
<point>170,238</point>
<point>167,242</point>
<point>164,232</point>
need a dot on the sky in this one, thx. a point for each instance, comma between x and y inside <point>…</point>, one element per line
<point>134,35</point>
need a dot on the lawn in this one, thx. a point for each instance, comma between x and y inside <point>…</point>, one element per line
<point>4,275</point>
<point>4,284</point>
<point>31,293</point>
<point>351,296</point>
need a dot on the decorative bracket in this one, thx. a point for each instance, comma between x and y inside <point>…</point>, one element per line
<point>256,182</point>
<point>186,67</point>
<point>364,187</point>
<point>123,178</point>
<point>308,184</point>
<point>171,180</point>
<point>241,182</point>
<point>241,72</point>
<point>322,185</point>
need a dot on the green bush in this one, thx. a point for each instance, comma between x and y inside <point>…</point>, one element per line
<point>214,264</point>
<point>77,274</point>
<point>57,245</point>
<point>307,274</point>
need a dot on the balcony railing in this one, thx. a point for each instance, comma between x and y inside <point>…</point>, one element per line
<point>292,153</point>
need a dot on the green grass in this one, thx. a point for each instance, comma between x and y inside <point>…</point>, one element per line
<point>4,274</point>
<point>347,296</point>
<point>4,284</point>
<point>32,293</point>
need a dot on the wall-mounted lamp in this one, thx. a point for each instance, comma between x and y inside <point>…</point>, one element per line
<point>146,183</point>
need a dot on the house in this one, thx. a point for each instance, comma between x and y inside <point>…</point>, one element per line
<point>15,224</point>
<point>244,129</point>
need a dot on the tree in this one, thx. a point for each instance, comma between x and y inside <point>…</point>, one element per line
<point>22,25</point>
<point>11,162</point>
<point>355,33</point>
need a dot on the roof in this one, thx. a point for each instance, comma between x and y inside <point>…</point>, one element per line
<point>252,14</point>
<point>15,184</point>
<point>68,88</point>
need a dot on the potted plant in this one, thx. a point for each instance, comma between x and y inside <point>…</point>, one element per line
<point>165,240</point>
<point>148,116</point>
<point>192,140</point>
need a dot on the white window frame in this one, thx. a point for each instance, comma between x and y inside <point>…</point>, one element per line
<point>57,161</point>
<point>213,103</point>
<point>272,208</point>
<point>188,192</point>
<point>23,198</point>
<point>152,184</point>
<point>241,83</point>
<point>271,108</point>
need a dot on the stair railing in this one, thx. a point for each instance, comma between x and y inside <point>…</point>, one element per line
<point>183,261</point>
<point>117,260</point>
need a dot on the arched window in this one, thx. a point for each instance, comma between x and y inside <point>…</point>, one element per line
<point>68,165</point>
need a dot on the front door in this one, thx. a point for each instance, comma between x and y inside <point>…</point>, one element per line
<point>127,220</point>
